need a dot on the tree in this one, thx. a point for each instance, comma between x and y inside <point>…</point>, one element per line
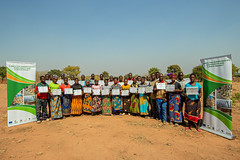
<point>3,72</point>
<point>55,72</point>
<point>105,74</point>
<point>174,69</point>
<point>235,70</point>
<point>71,70</point>
<point>153,70</point>
<point>198,72</point>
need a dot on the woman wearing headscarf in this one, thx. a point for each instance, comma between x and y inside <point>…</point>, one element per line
<point>175,110</point>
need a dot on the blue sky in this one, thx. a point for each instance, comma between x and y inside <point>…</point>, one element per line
<point>118,36</point>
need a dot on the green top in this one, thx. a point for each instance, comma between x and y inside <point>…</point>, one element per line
<point>53,86</point>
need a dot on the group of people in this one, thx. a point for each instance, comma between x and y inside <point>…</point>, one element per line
<point>159,103</point>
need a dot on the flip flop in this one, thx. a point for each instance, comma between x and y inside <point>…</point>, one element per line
<point>199,130</point>
<point>187,128</point>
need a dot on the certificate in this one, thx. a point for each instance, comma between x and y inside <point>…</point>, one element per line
<point>56,92</point>
<point>77,92</point>
<point>96,92</point>
<point>115,92</point>
<point>101,82</point>
<point>48,81</point>
<point>105,92</point>
<point>161,85</point>
<point>71,82</point>
<point>125,92</point>
<point>130,82</point>
<point>141,90</point>
<point>110,83</point>
<point>121,83</point>
<point>82,83</point>
<point>68,91</point>
<point>149,89</point>
<point>192,90</point>
<point>43,89</point>
<point>170,88</point>
<point>133,90</point>
<point>87,90</point>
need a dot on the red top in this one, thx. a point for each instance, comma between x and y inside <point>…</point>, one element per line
<point>130,79</point>
<point>62,87</point>
<point>40,95</point>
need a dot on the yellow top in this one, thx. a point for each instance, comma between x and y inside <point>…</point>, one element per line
<point>127,87</point>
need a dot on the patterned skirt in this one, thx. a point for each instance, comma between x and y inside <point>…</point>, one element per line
<point>116,103</point>
<point>97,104</point>
<point>76,106</point>
<point>87,103</point>
<point>126,103</point>
<point>66,104</point>
<point>106,105</point>
<point>144,104</point>
<point>175,110</point>
<point>56,108</point>
<point>193,110</point>
<point>134,107</point>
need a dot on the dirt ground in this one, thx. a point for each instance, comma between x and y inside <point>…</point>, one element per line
<point>112,137</point>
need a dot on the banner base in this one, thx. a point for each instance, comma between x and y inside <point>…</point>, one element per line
<point>230,137</point>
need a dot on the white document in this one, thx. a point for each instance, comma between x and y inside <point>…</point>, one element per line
<point>170,88</point>
<point>68,91</point>
<point>105,92</point>
<point>161,85</point>
<point>147,83</point>
<point>82,83</point>
<point>71,82</point>
<point>110,83</point>
<point>101,82</point>
<point>130,82</point>
<point>133,90</point>
<point>125,92</point>
<point>96,92</point>
<point>192,90</point>
<point>87,90</point>
<point>56,92</point>
<point>149,89</point>
<point>141,90</point>
<point>121,83</point>
<point>43,89</point>
<point>77,92</point>
<point>48,81</point>
<point>115,92</point>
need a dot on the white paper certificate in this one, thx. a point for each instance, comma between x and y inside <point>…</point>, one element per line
<point>101,82</point>
<point>77,92</point>
<point>87,89</point>
<point>130,82</point>
<point>43,89</point>
<point>141,90</point>
<point>82,83</point>
<point>71,82</point>
<point>192,90</point>
<point>161,85</point>
<point>56,92</point>
<point>48,81</point>
<point>68,91</point>
<point>105,92</point>
<point>96,92</point>
<point>115,92</point>
<point>110,83</point>
<point>149,89</point>
<point>125,92</point>
<point>170,88</point>
<point>133,90</point>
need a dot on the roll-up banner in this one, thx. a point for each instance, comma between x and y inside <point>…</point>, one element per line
<point>21,78</point>
<point>217,95</point>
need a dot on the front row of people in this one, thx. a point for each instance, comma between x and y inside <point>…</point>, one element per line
<point>157,104</point>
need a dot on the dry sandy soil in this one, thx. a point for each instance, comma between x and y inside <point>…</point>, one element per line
<point>115,137</point>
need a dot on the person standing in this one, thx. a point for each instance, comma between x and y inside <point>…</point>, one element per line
<point>126,99</point>
<point>134,107</point>
<point>97,100</point>
<point>116,99</point>
<point>153,104</point>
<point>55,103</point>
<point>130,77</point>
<point>76,105</point>
<point>161,100</point>
<point>87,99</point>
<point>106,100</point>
<point>175,110</point>
<point>182,82</point>
<point>92,80</point>
<point>193,104</point>
<point>49,79</point>
<point>143,99</point>
<point>41,101</point>
<point>66,98</point>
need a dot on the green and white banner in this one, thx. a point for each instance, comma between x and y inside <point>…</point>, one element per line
<point>21,78</point>
<point>217,95</point>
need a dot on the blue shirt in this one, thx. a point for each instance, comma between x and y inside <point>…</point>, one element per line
<point>193,97</point>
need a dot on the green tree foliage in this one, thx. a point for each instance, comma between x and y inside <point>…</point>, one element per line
<point>235,70</point>
<point>174,69</point>
<point>55,72</point>
<point>153,70</point>
<point>105,74</point>
<point>198,72</point>
<point>71,70</point>
<point>3,72</point>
